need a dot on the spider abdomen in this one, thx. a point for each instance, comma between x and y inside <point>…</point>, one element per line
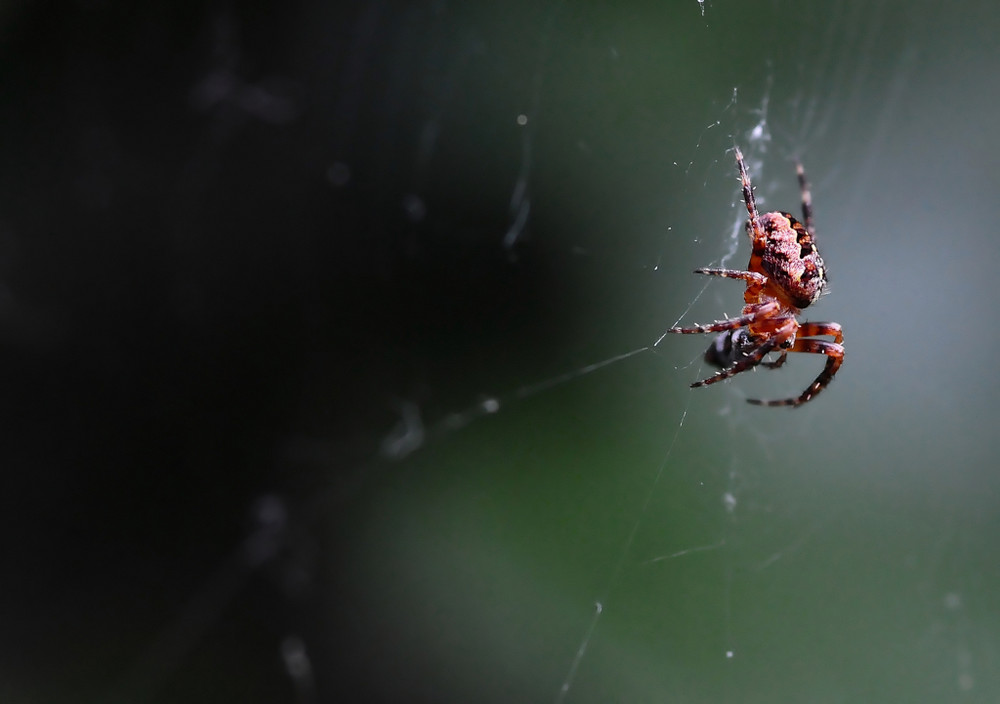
<point>789,258</point>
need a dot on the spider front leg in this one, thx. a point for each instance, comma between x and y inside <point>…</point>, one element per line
<point>758,311</point>
<point>747,189</point>
<point>761,310</point>
<point>807,208</point>
<point>751,277</point>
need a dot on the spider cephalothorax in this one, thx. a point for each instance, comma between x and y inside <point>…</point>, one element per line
<point>784,276</point>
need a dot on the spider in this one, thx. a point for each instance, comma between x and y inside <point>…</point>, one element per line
<point>784,276</point>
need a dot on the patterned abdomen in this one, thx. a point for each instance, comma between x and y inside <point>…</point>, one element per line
<point>789,257</point>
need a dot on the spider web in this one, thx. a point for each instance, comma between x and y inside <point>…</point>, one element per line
<point>667,533</point>
<point>491,481</point>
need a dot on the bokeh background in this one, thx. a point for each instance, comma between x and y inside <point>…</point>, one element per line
<point>329,368</point>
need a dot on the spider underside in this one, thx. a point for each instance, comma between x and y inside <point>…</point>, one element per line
<point>785,275</point>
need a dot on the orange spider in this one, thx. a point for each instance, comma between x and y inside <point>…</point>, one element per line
<point>785,275</point>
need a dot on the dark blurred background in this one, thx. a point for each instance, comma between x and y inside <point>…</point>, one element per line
<point>297,303</point>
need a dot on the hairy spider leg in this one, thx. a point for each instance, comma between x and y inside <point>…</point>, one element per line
<point>781,336</point>
<point>818,329</point>
<point>758,311</point>
<point>748,198</point>
<point>725,350</point>
<point>752,360</point>
<point>751,277</point>
<point>807,202</point>
<point>756,282</point>
<point>834,358</point>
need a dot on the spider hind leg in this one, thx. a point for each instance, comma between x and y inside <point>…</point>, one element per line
<point>834,352</point>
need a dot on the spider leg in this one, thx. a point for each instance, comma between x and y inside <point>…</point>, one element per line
<point>816,329</point>
<point>834,358</point>
<point>758,311</point>
<point>729,346</point>
<point>747,362</point>
<point>807,209</point>
<point>751,277</point>
<point>747,188</point>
